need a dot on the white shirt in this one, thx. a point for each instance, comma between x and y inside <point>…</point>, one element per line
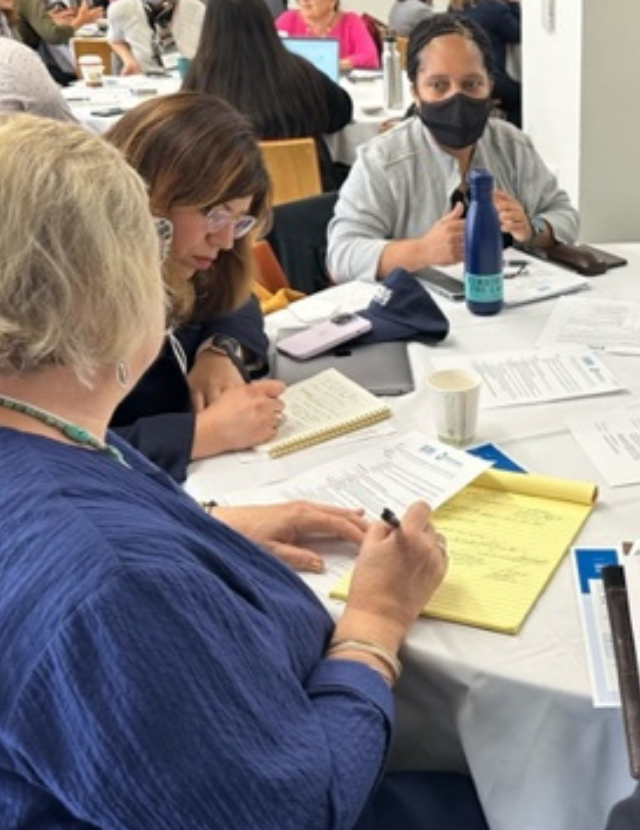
<point>26,85</point>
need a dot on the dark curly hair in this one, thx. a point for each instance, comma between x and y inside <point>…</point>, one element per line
<point>446,24</point>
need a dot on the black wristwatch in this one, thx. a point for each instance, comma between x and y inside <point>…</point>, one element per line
<point>224,345</point>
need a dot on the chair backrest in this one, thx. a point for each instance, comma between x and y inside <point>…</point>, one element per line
<point>376,28</point>
<point>293,167</point>
<point>91,46</point>
<point>270,273</point>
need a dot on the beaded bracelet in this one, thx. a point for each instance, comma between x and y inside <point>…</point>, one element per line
<point>383,654</point>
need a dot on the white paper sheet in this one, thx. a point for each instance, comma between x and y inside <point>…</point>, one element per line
<point>612,326</point>
<point>611,439</point>
<point>536,376</point>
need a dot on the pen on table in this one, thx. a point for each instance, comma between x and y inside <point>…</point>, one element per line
<point>390,517</point>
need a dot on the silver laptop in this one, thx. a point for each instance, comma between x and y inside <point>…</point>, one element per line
<point>382,368</point>
<point>322,52</point>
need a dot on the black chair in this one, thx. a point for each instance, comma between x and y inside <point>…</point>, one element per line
<point>298,238</point>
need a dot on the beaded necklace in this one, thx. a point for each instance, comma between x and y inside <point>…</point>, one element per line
<point>77,434</point>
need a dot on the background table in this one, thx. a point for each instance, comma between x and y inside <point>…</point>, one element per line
<point>514,710</point>
<point>369,114</point>
<point>125,92</point>
<point>122,92</point>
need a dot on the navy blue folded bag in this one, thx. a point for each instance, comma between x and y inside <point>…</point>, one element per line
<point>403,310</point>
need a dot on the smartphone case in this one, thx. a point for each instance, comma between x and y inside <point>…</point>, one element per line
<point>324,336</point>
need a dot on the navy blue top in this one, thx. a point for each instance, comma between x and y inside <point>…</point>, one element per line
<point>156,416</point>
<point>159,671</point>
<point>501,22</point>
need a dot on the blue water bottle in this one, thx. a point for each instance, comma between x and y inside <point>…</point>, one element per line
<point>483,278</point>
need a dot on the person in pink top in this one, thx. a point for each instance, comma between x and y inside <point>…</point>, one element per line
<point>323,18</point>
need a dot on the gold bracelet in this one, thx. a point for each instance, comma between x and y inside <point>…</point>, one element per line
<point>367,647</point>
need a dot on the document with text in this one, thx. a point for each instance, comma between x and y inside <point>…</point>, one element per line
<point>611,439</point>
<point>596,627</point>
<point>396,473</point>
<point>536,375</point>
<point>611,326</point>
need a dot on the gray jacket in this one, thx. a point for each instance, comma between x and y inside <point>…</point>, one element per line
<point>402,182</point>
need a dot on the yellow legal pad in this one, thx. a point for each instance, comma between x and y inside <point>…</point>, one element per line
<point>506,533</point>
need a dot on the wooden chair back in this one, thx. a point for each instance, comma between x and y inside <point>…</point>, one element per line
<point>269,271</point>
<point>293,167</point>
<point>92,46</point>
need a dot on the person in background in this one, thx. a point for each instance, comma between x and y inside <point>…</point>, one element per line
<point>157,668</point>
<point>625,814</point>
<point>282,94</point>
<point>323,18</point>
<point>205,174</point>
<point>405,14</point>
<point>501,21</point>
<point>49,33</point>
<point>8,21</point>
<point>25,84</point>
<point>147,35</point>
<point>403,203</point>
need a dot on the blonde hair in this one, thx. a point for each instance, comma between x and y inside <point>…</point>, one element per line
<point>195,150</point>
<point>80,263</point>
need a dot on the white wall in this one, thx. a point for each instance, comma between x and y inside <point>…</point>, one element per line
<point>380,8</point>
<point>582,107</point>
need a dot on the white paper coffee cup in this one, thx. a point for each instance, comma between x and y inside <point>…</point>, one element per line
<point>455,395</point>
<point>92,69</point>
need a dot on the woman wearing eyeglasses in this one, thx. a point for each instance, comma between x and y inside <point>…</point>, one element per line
<point>205,175</point>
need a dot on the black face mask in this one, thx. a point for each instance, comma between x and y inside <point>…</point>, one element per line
<point>456,122</point>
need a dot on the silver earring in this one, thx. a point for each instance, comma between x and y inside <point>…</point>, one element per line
<point>122,374</point>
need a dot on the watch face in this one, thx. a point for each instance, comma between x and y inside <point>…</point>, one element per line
<point>227,344</point>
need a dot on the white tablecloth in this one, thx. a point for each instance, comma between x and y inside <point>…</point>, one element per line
<point>515,711</point>
<point>122,92</point>
<point>125,92</point>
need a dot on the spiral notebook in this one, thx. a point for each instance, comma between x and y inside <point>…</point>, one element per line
<point>323,407</point>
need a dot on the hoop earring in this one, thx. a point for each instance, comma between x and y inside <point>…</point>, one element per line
<point>122,374</point>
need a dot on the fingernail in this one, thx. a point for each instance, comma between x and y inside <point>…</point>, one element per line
<point>317,566</point>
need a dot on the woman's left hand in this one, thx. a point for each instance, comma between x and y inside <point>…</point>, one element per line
<point>512,216</point>
<point>280,527</point>
<point>211,375</point>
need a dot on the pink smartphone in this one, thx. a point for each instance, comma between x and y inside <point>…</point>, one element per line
<point>323,336</point>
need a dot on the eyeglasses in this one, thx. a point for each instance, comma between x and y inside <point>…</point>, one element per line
<point>219,218</point>
<point>164,229</point>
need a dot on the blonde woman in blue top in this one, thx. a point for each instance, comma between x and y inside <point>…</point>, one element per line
<point>159,671</point>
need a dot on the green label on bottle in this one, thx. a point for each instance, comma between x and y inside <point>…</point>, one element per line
<point>483,288</point>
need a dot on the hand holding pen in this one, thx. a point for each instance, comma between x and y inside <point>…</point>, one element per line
<point>396,573</point>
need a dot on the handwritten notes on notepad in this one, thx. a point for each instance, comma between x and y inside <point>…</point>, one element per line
<point>322,407</point>
<point>506,533</point>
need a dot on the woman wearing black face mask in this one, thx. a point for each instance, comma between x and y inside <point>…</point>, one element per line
<point>404,201</point>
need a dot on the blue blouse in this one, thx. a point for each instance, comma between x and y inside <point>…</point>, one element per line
<point>158,671</point>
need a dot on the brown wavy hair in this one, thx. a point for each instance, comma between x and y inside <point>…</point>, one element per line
<point>194,150</point>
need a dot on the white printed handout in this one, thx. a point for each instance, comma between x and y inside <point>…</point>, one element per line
<point>611,439</point>
<point>528,279</point>
<point>536,375</point>
<point>612,326</point>
<point>587,568</point>
<point>393,475</point>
